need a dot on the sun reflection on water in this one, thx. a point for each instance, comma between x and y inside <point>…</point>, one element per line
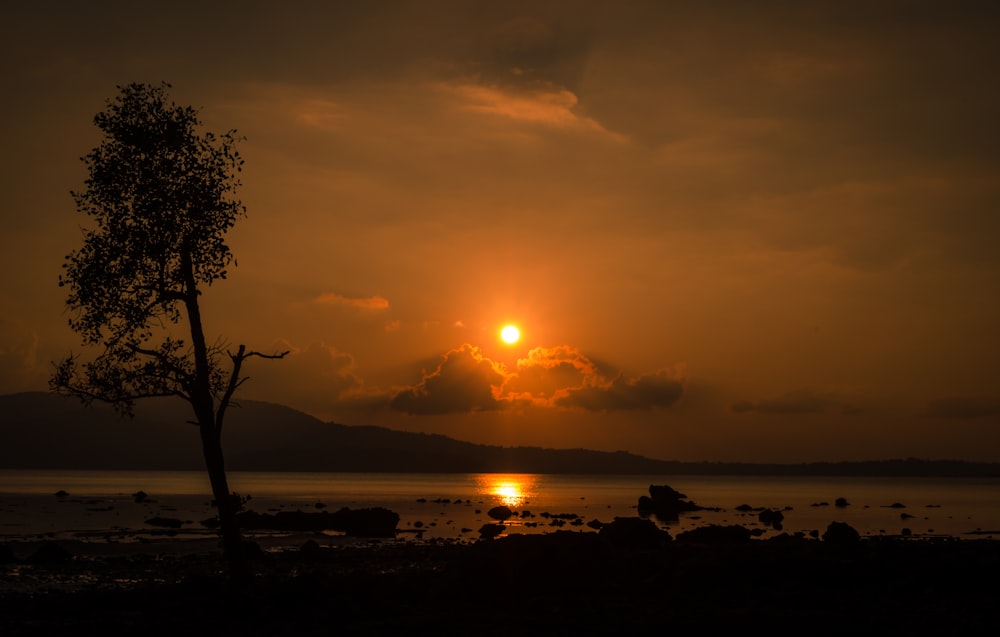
<point>512,490</point>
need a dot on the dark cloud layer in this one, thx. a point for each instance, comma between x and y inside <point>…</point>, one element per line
<point>465,381</point>
<point>797,403</point>
<point>549,377</point>
<point>964,408</point>
<point>645,392</point>
<point>309,377</point>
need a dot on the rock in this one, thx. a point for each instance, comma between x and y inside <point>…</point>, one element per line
<point>167,523</point>
<point>501,513</point>
<point>253,552</point>
<point>665,503</point>
<point>745,508</point>
<point>841,502</point>
<point>61,494</point>
<point>140,497</point>
<point>595,524</point>
<point>634,533</point>
<point>373,522</point>
<point>716,534</point>
<point>841,533</point>
<point>896,505</point>
<point>905,516</point>
<point>490,530</point>
<point>50,553</point>
<point>771,518</point>
<point>310,550</point>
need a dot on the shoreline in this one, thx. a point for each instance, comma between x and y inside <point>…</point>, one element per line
<point>565,582</point>
<point>449,509</point>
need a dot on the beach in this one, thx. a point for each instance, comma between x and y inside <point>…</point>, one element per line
<point>560,583</point>
<point>576,555</point>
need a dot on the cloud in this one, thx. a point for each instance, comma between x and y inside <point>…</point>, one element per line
<point>965,408</point>
<point>368,303</point>
<point>801,402</point>
<point>464,381</point>
<point>548,377</point>
<point>563,376</point>
<point>310,377</point>
<point>662,389</point>
<point>547,374</point>
<point>547,105</point>
<point>19,368</point>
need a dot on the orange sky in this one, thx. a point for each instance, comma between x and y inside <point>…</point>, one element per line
<point>757,231</point>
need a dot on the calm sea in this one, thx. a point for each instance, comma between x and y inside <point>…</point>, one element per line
<point>455,505</point>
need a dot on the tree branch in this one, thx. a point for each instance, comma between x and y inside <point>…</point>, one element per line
<point>271,356</point>
<point>122,403</point>
<point>235,381</point>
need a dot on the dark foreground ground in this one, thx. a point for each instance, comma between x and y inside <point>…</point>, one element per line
<point>556,584</point>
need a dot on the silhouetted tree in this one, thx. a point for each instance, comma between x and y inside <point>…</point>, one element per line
<point>160,199</point>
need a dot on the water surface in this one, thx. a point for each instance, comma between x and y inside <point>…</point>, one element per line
<point>455,506</point>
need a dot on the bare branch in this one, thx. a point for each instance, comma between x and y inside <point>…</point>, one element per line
<point>271,356</point>
<point>235,381</point>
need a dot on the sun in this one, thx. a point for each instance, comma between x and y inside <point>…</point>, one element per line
<point>510,334</point>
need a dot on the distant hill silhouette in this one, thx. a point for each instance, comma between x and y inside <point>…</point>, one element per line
<point>44,431</point>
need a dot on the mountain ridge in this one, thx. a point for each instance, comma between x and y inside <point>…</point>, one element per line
<point>51,432</point>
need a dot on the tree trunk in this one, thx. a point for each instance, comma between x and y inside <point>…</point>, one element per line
<point>225,504</point>
<point>211,434</point>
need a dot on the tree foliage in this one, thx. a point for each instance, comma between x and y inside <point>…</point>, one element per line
<point>161,197</point>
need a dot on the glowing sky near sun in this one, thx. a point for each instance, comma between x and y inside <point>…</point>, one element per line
<point>727,231</point>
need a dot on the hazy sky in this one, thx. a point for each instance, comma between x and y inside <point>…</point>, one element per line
<point>763,231</point>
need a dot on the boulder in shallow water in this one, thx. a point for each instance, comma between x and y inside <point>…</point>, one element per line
<point>841,533</point>
<point>167,523</point>
<point>490,530</point>
<point>371,522</point>
<point>716,534</point>
<point>253,551</point>
<point>310,550</point>
<point>634,533</point>
<point>665,503</point>
<point>500,513</point>
<point>772,518</point>
<point>50,553</point>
